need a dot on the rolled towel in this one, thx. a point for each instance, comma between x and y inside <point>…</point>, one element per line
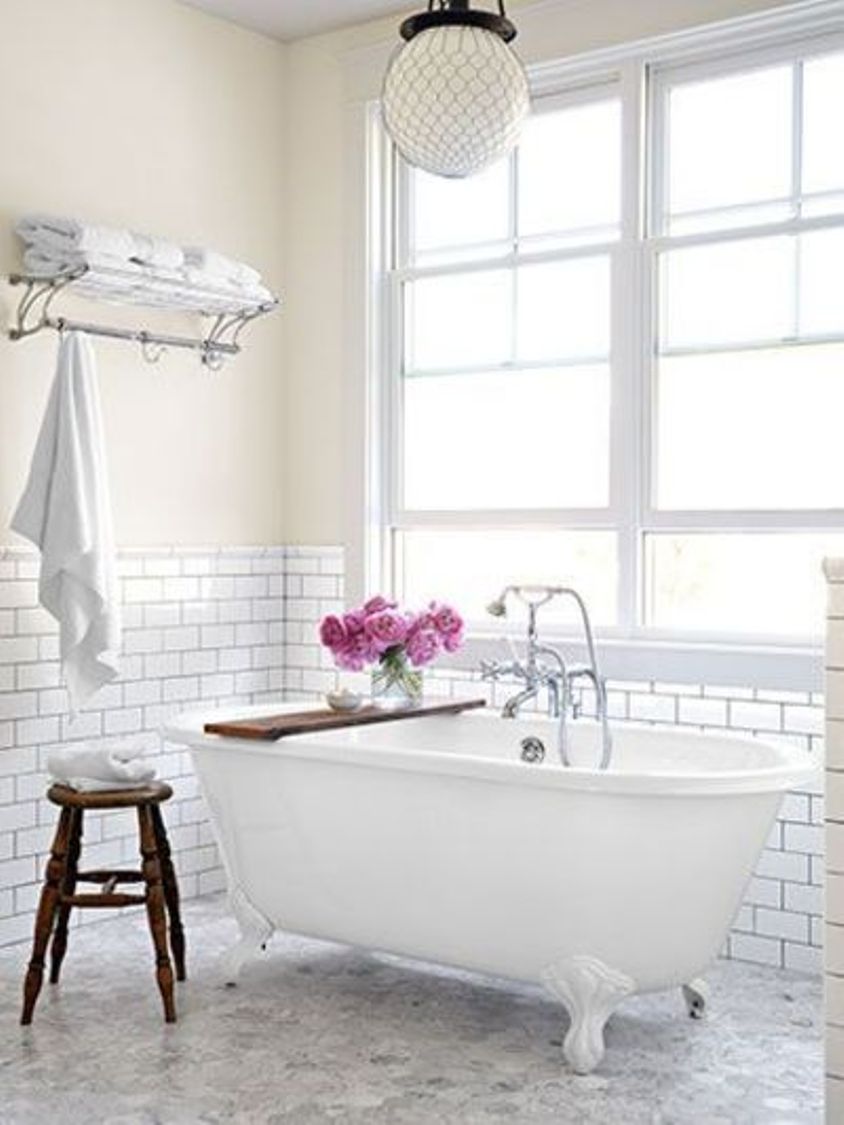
<point>57,233</point>
<point>157,252</point>
<point>218,266</point>
<point>91,767</point>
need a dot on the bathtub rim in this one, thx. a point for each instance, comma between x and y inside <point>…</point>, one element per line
<point>793,765</point>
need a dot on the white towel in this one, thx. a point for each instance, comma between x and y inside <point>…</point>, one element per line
<point>220,268</point>
<point>92,767</point>
<point>46,261</point>
<point>65,512</point>
<point>253,293</point>
<point>157,252</point>
<point>56,233</point>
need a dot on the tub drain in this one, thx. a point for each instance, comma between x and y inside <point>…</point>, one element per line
<point>533,750</point>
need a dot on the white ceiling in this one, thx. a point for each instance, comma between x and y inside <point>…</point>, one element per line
<point>291,19</point>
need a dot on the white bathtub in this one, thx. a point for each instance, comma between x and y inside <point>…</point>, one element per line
<point>432,839</point>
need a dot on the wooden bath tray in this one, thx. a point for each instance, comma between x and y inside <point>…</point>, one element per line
<point>308,722</point>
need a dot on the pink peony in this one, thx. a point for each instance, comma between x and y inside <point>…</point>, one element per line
<point>386,629</point>
<point>380,631</point>
<point>452,642</point>
<point>423,644</point>
<point>377,605</point>
<point>332,632</point>
<point>356,653</point>
<point>354,622</point>
<point>447,621</point>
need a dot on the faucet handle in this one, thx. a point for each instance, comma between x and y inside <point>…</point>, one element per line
<point>490,669</point>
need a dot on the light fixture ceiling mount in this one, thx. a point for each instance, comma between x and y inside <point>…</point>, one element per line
<point>457,13</point>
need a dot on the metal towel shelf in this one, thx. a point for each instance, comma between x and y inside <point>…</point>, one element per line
<point>230,312</point>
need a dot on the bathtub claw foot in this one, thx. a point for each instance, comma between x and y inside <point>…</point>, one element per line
<point>590,991</point>
<point>255,931</point>
<point>696,995</point>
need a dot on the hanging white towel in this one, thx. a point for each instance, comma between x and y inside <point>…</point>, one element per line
<point>97,766</point>
<point>65,512</point>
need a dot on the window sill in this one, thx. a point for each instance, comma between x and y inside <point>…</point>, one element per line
<point>786,667</point>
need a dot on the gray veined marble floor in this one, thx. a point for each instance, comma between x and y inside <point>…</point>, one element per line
<point>319,1033</point>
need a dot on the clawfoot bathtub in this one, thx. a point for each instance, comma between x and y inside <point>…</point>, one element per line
<point>430,838</point>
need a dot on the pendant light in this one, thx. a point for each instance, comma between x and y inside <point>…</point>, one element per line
<point>455,94</point>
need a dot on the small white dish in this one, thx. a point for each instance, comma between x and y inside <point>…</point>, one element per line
<point>344,700</point>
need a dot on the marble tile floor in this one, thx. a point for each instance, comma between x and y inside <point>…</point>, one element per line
<point>320,1033</point>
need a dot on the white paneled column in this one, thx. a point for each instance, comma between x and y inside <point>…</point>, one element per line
<point>834,935</point>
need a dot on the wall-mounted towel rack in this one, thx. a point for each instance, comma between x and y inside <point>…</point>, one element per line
<point>229,311</point>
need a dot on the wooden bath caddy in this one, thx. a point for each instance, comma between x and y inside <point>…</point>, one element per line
<point>307,722</point>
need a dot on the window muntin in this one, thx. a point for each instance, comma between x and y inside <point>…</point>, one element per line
<point>737,321</point>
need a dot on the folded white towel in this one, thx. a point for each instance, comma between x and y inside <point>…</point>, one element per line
<point>65,512</point>
<point>218,266</point>
<point>58,233</point>
<point>47,262</point>
<point>157,252</point>
<point>251,293</point>
<point>90,767</point>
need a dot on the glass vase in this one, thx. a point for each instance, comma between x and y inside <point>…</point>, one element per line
<point>395,683</point>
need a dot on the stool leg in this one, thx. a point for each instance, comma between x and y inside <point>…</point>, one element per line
<point>47,905</point>
<point>151,868</point>
<point>171,893</point>
<point>59,946</point>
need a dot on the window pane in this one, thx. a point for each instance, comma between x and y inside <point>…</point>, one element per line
<point>739,583</point>
<point>564,310</point>
<point>569,168</point>
<point>555,453</point>
<point>729,141</point>
<point>462,320</point>
<point>469,568</point>
<point>822,282</point>
<point>731,293</point>
<point>753,430</point>
<point>449,214</point>
<point>823,152</point>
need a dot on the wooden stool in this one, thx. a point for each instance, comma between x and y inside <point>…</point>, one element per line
<point>58,896</point>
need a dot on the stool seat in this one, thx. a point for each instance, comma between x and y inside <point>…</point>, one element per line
<point>152,794</point>
<point>59,895</point>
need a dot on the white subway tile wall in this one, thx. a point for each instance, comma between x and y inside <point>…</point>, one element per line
<point>781,920</point>
<point>203,627</point>
<point>233,626</point>
<point>834,937</point>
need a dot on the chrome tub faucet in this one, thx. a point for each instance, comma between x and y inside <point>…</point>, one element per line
<point>555,677</point>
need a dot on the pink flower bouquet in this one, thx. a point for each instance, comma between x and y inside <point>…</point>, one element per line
<point>397,641</point>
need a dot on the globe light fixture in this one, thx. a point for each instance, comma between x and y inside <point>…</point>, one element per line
<point>455,94</point>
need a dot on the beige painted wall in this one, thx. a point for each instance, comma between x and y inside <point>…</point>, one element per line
<point>318,460</point>
<point>148,114</point>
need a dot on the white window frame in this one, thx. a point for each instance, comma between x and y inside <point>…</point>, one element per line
<point>640,72</point>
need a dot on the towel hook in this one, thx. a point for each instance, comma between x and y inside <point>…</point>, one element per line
<point>151,351</point>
